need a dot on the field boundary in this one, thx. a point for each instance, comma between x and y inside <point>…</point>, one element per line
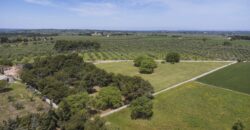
<point>174,86</point>
<point>213,86</point>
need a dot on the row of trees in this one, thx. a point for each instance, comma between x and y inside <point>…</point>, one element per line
<point>23,39</point>
<point>63,45</point>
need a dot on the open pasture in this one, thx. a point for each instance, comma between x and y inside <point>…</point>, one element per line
<point>192,106</point>
<point>165,75</point>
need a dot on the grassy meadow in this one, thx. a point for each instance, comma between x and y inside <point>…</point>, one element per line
<point>192,106</point>
<point>235,77</point>
<point>18,94</point>
<point>165,75</point>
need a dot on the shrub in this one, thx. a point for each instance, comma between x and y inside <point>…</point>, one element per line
<point>141,108</point>
<point>173,57</point>
<point>238,126</point>
<point>3,85</point>
<point>11,99</point>
<point>18,105</point>
<point>95,124</point>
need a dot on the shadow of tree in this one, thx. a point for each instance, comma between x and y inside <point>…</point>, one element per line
<point>6,90</point>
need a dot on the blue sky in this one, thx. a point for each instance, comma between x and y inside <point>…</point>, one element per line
<point>126,14</point>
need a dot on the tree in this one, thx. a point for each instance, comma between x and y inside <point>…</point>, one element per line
<point>146,64</point>
<point>138,60</point>
<point>64,111</point>
<point>77,102</point>
<point>238,126</point>
<point>173,57</point>
<point>133,87</point>
<point>76,121</point>
<point>227,43</point>
<point>141,108</point>
<point>109,97</point>
<point>95,124</point>
<point>4,39</point>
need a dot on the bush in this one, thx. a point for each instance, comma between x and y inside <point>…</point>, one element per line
<point>141,108</point>
<point>3,85</point>
<point>11,99</point>
<point>18,105</point>
<point>109,97</point>
<point>238,126</point>
<point>173,57</point>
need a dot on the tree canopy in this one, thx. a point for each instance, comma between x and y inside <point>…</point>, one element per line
<point>141,108</point>
<point>173,57</point>
<point>146,64</point>
<point>109,97</point>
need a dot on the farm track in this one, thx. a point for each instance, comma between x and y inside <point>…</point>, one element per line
<point>174,86</point>
<point>117,61</point>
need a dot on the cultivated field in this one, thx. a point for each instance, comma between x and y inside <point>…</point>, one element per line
<point>192,106</point>
<point>18,94</point>
<point>165,75</point>
<point>235,77</point>
<point>194,47</point>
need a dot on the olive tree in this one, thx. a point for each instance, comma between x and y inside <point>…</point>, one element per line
<point>173,57</point>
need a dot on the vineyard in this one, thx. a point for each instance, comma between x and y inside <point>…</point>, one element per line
<point>191,47</point>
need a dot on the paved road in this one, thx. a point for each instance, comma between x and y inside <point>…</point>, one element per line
<point>169,88</point>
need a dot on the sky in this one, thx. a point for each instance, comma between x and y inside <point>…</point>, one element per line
<point>223,15</point>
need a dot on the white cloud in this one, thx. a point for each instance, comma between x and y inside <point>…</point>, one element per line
<point>39,2</point>
<point>95,9</point>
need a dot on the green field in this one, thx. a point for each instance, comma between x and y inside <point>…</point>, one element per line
<point>235,77</point>
<point>192,106</point>
<point>129,47</point>
<point>20,95</point>
<point>165,75</point>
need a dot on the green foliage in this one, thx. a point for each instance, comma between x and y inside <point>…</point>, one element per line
<point>6,62</point>
<point>173,57</point>
<point>133,87</point>
<point>76,121</point>
<point>146,64</point>
<point>109,97</point>
<point>141,108</point>
<point>4,39</point>
<point>60,76</point>
<point>77,102</point>
<point>238,126</point>
<point>62,45</point>
<point>95,124</point>
<point>227,43</point>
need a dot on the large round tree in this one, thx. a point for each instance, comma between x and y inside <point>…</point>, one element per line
<point>173,57</point>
